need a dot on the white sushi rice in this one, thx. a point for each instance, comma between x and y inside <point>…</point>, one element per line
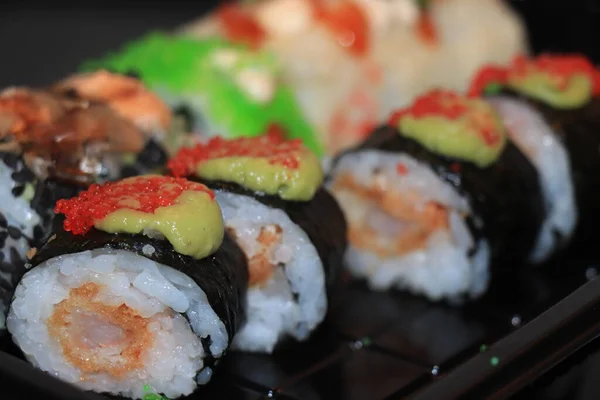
<point>155,292</point>
<point>536,139</point>
<point>272,311</point>
<point>440,270</point>
<point>203,125</point>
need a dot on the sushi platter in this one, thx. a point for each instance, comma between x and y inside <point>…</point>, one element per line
<point>266,200</point>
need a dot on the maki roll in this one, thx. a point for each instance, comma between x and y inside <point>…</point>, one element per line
<point>130,99</point>
<point>70,141</point>
<point>54,143</point>
<point>222,88</point>
<point>139,289</point>
<point>350,63</point>
<point>125,94</point>
<point>549,105</point>
<point>292,231</point>
<point>435,197</point>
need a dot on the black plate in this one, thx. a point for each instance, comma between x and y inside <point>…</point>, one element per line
<point>372,345</point>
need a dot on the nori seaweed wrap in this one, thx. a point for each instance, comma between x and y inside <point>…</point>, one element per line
<point>133,309</point>
<point>435,197</point>
<point>551,103</point>
<point>291,229</point>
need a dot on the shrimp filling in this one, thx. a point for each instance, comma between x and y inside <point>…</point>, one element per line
<point>262,253</point>
<point>98,338</point>
<point>115,322</point>
<point>390,223</point>
<point>408,227</point>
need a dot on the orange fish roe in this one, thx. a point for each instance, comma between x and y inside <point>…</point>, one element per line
<point>240,26</point>
<point>561,66</point>
<point>426,29</point>
<point>143,193</point>
<point>271,146</point>
<point>455,167</point>
<point>450,105</point>
<point>347,22</point>
<point>277,131</point>
<point>488,75</point>
<point>434,103</point>
<point>401,169</point>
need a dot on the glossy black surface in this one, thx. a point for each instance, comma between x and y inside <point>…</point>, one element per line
<point>391,345</point>
<point>373,345</point>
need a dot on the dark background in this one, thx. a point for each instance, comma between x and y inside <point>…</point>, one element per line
<point>43,41</point>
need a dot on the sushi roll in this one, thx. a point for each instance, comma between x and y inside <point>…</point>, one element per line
<point>164,128</point>
<point>69,139</point>
<point>350,63</point>
<point>127,95</point>
<point>52,146</point>
<point>436,197</point>
<point>292,231</point>
<point>139,289</point>
<point>549,105</point>
<point>222,88</point>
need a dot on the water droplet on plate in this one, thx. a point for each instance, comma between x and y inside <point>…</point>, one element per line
<point>591,273</point>
<point>516,320</point>
<point>435,370</point>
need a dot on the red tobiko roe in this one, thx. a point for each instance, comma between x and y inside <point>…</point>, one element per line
<point>401,169</point>
<point>561,65</point>
<point>240,26</point>
<point>272,146</point>
<point>345,19</point>
<point>426,29</point>
<point>433,103</point>
<point>487,75</point>
<point>144,194</point>
<point>450,105</point>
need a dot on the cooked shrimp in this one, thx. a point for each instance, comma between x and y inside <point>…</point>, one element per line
<point>128,96</point>
<point>260,262</point>
<point>61,136</point>
<point>408,219</point>
<point>95,337</point>
<point>22,107</point>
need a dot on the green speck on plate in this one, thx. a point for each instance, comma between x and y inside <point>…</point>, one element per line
<point>494,361</point>
<point>483,348</point>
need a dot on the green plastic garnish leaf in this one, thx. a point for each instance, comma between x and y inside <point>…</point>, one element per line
<point>152,396</point>
<point>492,88</point>
<point>186,68</point>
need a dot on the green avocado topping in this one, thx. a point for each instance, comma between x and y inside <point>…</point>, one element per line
<point>259,174</point>
<point>454,126</point>
<point>266,163</point>
<point>545,88</point>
